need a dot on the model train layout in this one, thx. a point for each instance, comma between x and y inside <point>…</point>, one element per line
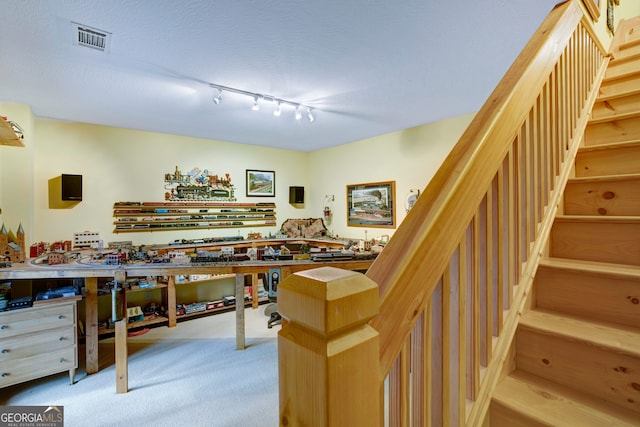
<point>205,251</point>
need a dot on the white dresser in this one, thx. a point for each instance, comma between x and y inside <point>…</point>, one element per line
<point>39,341</point>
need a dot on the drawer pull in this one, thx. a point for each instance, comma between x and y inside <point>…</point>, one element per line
<point>60,316</point>
<point>3,327</point>
<point>61,339</point>
<point>5,374</point>
<point>62,360</point>
<point>5,350</point>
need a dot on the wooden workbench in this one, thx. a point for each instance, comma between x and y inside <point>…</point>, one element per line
<point>91,273</point>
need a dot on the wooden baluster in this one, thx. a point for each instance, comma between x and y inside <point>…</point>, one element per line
<point>328,355</point>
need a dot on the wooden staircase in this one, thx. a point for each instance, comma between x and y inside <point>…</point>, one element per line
<point>576,354</point>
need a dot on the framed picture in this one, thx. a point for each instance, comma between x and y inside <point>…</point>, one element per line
<point>261,183</point>
<point>371,205</point>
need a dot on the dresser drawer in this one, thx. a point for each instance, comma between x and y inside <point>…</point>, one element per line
<point>28,320</point>
<point>30,345</point>
<point>30,368</point>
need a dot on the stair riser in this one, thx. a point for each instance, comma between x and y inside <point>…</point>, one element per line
<point>602,373</point>
<point>619,87</point>
<point>630,50</point>
<point>624,66</point>
<point>502,416</point>
<point>629,31</point>
<point>597,241</point>
<point>603,297</point>
<point>612,132</point>
<point>614,161</point>
<point>618,198</point>
<point>613,108</point>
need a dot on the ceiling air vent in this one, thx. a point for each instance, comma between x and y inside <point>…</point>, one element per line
<point>86,36</point>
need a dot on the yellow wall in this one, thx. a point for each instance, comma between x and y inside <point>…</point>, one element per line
<point>17,173</point>
<point>409,157</point>
<point>125,165</point>
<point>128,165</point>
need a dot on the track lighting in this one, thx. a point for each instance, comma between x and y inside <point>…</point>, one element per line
<point>258,97</point>
<point>217,97</point>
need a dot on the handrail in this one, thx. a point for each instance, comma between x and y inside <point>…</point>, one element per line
<point>454,278</point>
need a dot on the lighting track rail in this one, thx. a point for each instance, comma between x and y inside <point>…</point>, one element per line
<point>261,97</point>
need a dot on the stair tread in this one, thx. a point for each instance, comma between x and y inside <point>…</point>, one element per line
<point>610,146</point>
<point>613,71</point>
<point>621,61</point>
<point>625,58</point>
<point>613,117</point>
<point>597,267</point>
<point>615,337</point>
<point>617,95</point>
<point>628,44</point>
<point>607,178</point>
<point>629,219</point>
<point>549,403</point>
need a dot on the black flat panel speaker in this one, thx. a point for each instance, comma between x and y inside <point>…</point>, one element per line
<point>71,187</point>
<point>296,194</point>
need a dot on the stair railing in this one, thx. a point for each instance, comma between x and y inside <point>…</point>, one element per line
<point>441,303</point>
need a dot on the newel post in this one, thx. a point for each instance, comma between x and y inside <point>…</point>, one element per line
<point>328,356</point>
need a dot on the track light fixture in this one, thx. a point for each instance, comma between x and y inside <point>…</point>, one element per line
<point>258,97</point>
<point>217,97</point>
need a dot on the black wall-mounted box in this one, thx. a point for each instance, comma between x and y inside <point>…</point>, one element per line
<point>71,187</point>
<point>296,194</point>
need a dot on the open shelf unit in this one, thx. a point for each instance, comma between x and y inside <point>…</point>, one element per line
<point>150,320</point>
<point>223,309</point>
<point>147,321</point>
<point>216,287</point>
<point>172,216</point>
<point>8,136</point>
<point>211,281</point>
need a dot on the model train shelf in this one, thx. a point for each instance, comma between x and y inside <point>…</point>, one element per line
<point>190,215</point>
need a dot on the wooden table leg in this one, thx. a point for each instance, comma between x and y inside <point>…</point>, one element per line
<point>254,290</point>
<point>91,324</point>
<point>240,344</point>
<point>122,376</point>
<point>171,301</point>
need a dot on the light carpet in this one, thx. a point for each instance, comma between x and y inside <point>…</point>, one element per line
<point>189,375</point>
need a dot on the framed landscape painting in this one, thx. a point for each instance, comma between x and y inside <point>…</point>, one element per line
<point>261,183</point>
<point>371,205</point>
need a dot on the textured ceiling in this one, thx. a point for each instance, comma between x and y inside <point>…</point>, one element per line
<point>367,67</point>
